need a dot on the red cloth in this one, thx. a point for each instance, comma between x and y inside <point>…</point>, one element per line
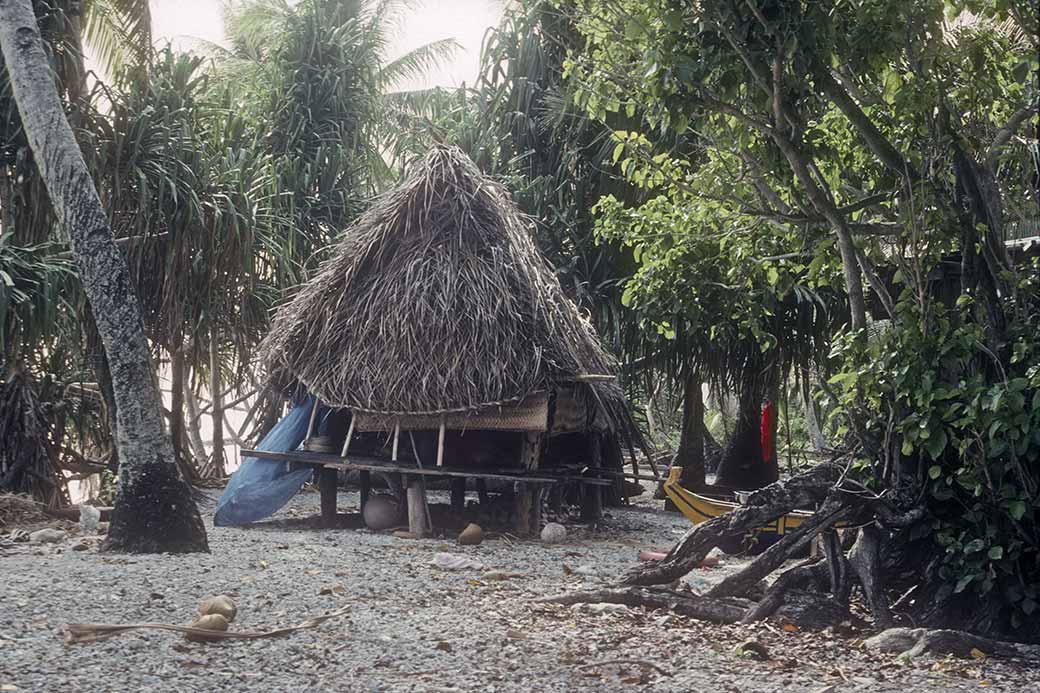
<point>768,412</point>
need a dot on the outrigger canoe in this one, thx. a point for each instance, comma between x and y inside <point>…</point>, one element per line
<point>698,508</point>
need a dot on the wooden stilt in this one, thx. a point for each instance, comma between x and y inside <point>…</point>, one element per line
<point>531,450</point>
<point>310,421</point>
<point>350,434</point>
<point>327,481</point>
<point>527,506</point>
<point>418,513</point>
<point>440,445</point>
<point>365,483</point>
<point>482,494</point>
<point>591,503</point>
<point>458,494</point>
<point>397,436</point>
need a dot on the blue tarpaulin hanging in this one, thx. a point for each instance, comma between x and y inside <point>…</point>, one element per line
<point>261,487</point>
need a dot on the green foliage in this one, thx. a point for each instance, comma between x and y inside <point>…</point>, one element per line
<point>793,153</point>
<point>976,441</point>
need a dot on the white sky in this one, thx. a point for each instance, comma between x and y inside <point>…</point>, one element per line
<point>184,22</point>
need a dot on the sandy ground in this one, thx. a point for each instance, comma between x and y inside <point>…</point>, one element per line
<point>410,626</point>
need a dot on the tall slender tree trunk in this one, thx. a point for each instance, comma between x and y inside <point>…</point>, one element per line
<point>154,509</point>
<point>191,403</point>
<point>216,468</point>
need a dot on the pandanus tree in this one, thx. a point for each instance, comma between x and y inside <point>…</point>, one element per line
<point>154,508</point>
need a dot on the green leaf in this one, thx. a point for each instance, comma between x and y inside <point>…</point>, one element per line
<point>962,583</point>
<point>996,553</point>
<point>934,472</point>
<point>1017,509</point>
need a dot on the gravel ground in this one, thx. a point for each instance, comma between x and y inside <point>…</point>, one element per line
<point>412,627</point>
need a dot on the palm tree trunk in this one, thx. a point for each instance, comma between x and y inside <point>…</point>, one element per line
<point>690,455</point>
<point>154,509</point>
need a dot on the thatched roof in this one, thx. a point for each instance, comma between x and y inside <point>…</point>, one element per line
<point>436,300</point>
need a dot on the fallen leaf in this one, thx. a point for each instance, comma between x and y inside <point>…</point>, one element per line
<point>789,627</point>
<point>976,653</point>
<point>516,635</point>
<point>443,646</point>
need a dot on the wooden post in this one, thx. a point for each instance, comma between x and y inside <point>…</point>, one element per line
<point>522,509</point>
<point>310,421</point>
<point>350,434</point>
<point>440,445</point>
<point>397,436</point>
<point>417,511</point>
<point>591,502</point>
<point>365,484</point>
<point>482,493</point>
<point>528,508</point>
<point>327,479</point>
<point>591,494</point>
<point>458,494</point>
<point>531,450</point>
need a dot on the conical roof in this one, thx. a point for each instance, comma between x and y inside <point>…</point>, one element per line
<point>436,300</point>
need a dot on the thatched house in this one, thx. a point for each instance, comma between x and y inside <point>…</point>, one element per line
<point>437,315</point>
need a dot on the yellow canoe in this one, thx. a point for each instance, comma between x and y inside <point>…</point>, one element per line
<point>700,509</point>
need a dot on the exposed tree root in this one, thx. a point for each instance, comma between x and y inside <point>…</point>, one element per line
<point>773,557</point>
<point>916,641</point>
<point>685,603</point>
<point>802,574</point>
<point>764,506</point>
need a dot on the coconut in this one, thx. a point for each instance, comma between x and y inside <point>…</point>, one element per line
<point>554,533</point>
<point>472,535</point>
<point>215,622</point>
<point>220,604</point>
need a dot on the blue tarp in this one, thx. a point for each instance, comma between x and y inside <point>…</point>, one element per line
<point>260,487</point>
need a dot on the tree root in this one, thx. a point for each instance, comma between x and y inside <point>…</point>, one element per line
<point>916,641</point>
<point>772,558</point>
<point>764,506</point>
<point>806,572</point>
<point>684,603</point>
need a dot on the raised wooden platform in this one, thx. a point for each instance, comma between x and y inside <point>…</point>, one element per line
<point>529,485</point>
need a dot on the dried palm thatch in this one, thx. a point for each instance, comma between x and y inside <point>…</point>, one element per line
<point>437,300</point>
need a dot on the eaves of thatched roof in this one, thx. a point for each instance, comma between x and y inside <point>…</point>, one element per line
<point>436,300</point>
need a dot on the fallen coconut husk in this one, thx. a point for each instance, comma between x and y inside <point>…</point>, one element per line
<point>91,632</point>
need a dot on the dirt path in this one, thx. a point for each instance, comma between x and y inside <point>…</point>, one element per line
<point>411,626</point>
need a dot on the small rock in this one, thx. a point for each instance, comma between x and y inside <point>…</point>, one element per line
<point>48,535</point>
<point>472,535</point>
<point>443,646</point>
<point>554,533</point>
<point>89,516</point>
<point>81,546</point>
<point>753,649</point>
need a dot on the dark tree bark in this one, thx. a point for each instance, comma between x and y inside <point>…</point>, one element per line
<point>690,455</point>
<point>742,463</point>
<point>154,510</point>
